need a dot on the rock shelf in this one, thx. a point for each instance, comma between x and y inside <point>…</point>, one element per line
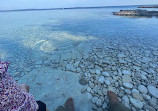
<point>136,13</point>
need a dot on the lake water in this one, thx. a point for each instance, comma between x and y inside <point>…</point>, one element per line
<point>34,39</point>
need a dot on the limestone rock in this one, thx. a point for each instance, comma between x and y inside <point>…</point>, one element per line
<point>126,72</point>
<point>142,89</point>
<point>137,12</point>
<point>83,81</point>
<point>101,79</point>
<point>106,74</point>
<point>126,78</point>
<point>125,101</point>
<point>135,91</point>
<point>94,107</point>
<point>69,67</point>
<point>94,99</point>
<point>128,85</point>
<point>146,97</point>
<point>98,72</point>
<point>153,91</point>
<point>107,82</point>
<point>148,108</point>
<point>136,103</point>
<point>99,102</point>
<point>127,91</point>
<point>104,105</point>
<point>121,55</point>
<point>137,96</point>
<point>153,102</point>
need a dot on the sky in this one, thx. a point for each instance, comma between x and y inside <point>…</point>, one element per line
<point>25,4</point>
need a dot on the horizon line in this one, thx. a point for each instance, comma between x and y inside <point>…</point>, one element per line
<point>66,8</point>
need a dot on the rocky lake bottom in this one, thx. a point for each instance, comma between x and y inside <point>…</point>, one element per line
<point>83,55</point>
<point>129,67</point>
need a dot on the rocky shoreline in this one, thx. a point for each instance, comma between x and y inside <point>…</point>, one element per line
<point>137,12</point>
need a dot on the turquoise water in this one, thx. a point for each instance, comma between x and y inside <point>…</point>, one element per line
<point>25,29</point>
<point>29,39</point>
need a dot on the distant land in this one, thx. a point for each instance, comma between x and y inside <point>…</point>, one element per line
<point>148,6</point>
<point>42,9</point>
<point>137,12</point>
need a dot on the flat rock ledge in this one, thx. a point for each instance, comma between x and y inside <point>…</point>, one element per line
<point>136,13</point>
<point>148,7</point>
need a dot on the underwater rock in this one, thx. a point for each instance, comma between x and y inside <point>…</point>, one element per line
<point>142,89</point>
<point>128,85</point>
<point>153,91</point>
<point>126,72</point>
<point>83,81</point>
<point>106,74</point>
<point>136,103</point>
<point>101,79</point>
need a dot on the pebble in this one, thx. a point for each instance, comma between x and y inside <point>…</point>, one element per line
<point>98,72</point>
<point>142,89</point>
<point>121,55</point>
<point>153,102</point>
<point>91,85</point>
<point>121,94</point>
<point>89,95</point>
<point>148,108</point>
<point>94,107</point>
<point>101,79</point>
<point>136,103</point>
<point>127,91</point>
<point>83,90</point>
<point>126,78</point>
<point>110,88</point>
<point>104,91</point>
<point>107,82</point>
<point>153,91</point>
<point>69,67</point>
<point>128,85</point>
<point>99,102</point>
<point>100,92</point>
<point>135,91</point>
<point>88,89</point>
<point>137,96</point>
<point>106,74</point>
<point>126,72</point>
<point>143,77</point>
<point>104,105</point>
<point>125,100</point>
<point>146,97</point>
<point>83,81</point>
<point>155,53</point>
<point>94,99</point>
<point>116,84</point>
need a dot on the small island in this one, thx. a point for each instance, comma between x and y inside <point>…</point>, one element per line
<point>148,7</point>
<point>137,12</point>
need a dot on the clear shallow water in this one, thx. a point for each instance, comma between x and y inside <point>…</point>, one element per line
<point>26,29</point>
<point>31,40</point>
